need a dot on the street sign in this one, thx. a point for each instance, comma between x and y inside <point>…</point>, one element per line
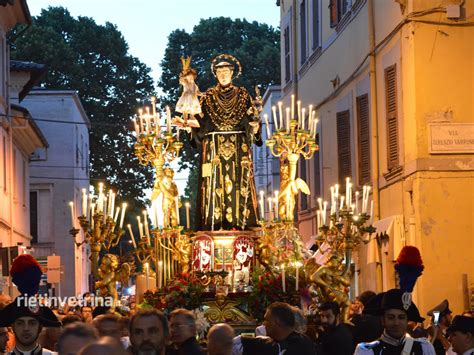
<point>54,269</point>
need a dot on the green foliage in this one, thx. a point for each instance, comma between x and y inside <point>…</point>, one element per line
<point>257,46</point>
<point>94,60</point>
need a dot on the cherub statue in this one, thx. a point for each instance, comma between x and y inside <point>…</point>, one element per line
<point>188,104</point>
<point>110,271</point>
<point>170,198</point>
<point>182,252</point>
<point>331,284</point>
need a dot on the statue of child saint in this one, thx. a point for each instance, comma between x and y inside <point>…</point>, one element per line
<point>188,104</point>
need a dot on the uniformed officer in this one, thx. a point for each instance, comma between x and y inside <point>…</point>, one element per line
<point>395,309</point>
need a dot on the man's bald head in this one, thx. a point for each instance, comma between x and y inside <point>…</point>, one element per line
<point>105,346</point>
<point>219,339</point>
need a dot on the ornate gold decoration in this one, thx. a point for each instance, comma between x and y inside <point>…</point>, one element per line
<point>110,272</point>
<point>224,310</point>
<point>226,57</point>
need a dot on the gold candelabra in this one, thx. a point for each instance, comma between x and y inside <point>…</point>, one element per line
<point>292,138</point>
<point>336,240</point>
<point>158,148</point>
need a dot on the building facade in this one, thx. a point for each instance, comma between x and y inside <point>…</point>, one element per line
<point>393,85</point>
<point>58,178</point>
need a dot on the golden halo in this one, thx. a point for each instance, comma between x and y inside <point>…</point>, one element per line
<point>226,57</point>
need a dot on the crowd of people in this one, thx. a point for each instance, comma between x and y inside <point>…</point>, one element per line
<point>384,329</point>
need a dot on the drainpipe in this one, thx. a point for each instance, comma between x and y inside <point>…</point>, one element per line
<point>374,123</point>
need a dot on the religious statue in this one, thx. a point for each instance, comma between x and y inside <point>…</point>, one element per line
<point>229,125</point>
<point>188,104</point>
<point>170,198</point>
<point>331,284</point>
<point>110,271</point>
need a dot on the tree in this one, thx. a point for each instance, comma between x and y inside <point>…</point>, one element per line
<point>94,60</point>
<point>257,46</point>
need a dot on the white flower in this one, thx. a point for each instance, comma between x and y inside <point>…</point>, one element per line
<point>202,324</point>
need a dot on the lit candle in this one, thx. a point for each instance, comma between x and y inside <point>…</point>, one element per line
<point>288,119</point>
<point>277,214</point>
<point>147,276</point>
<point>371,211</point>
<point>100,200</point>
<point>267,126</point>
<point>325,206</point>
<point>147,121</point>
<point>140,123</point>
<point>117,211</point>
<point>84,203</point>
<point>297,275</point>
<point>135,125</point>
<point>320,203</point>
<point>315,128</point>
<point>292,107</point>
<point>132,237</point>
<point>153,105</point>
<point>160,272</point>
<point>188,206</point>
<point>342,202</point>
<point>71,205</point>
<point>140,230</point>
<point>280,113</point>
<point>122,216</point>
<point>275,119</point>
<point>112,203</point>
<point>347,190</point>
<point>283,278</point>
<point>349,201</point>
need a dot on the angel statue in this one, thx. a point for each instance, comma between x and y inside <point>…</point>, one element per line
<point>188,104</point>
<point>110,271</point>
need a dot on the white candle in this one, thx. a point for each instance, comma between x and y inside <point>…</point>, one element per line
<point>140,230</point>
<point>347,190</point>
<point>84,203</point>
<point>101,198</point>
<point>292,107</point>
<point>132,237</point>
<point>371,211</point>
<point>153,105</point>
<point>117,212</point>
<point>283,278</point>
<point>140,123</point>
<point>280,113</point>
<point>318,220</point>
<point>71,205</point>
<point>349,201</point>
<point>288,119</point>
<point>160,274</point>
<point>112,203</point>
<point>122,216</point>
<point>342,202</point>
<point>147,276</point>
<point>262,205</point>
<point>297,275</point>
<point>145,225</point>
<point>267,126</point>
<point>315,128</point>
<point>188,206</point>
<point>275,119</point>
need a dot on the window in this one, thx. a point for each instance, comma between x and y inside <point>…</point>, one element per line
<point>34,216</point>
<point>363,138</point>
<point>316,24</point>
<point>303,31</point>
<point>391,102</point>
<point>344,146</point>
<point>286,36</point>
<point>337,10</point>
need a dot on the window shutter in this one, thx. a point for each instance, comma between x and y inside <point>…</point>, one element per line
<point>333,11</point>
<point>344,146</point>
<point>391,102</point>
<point>286,35</point>
<point>363,138</point>
<point>303,31</point>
